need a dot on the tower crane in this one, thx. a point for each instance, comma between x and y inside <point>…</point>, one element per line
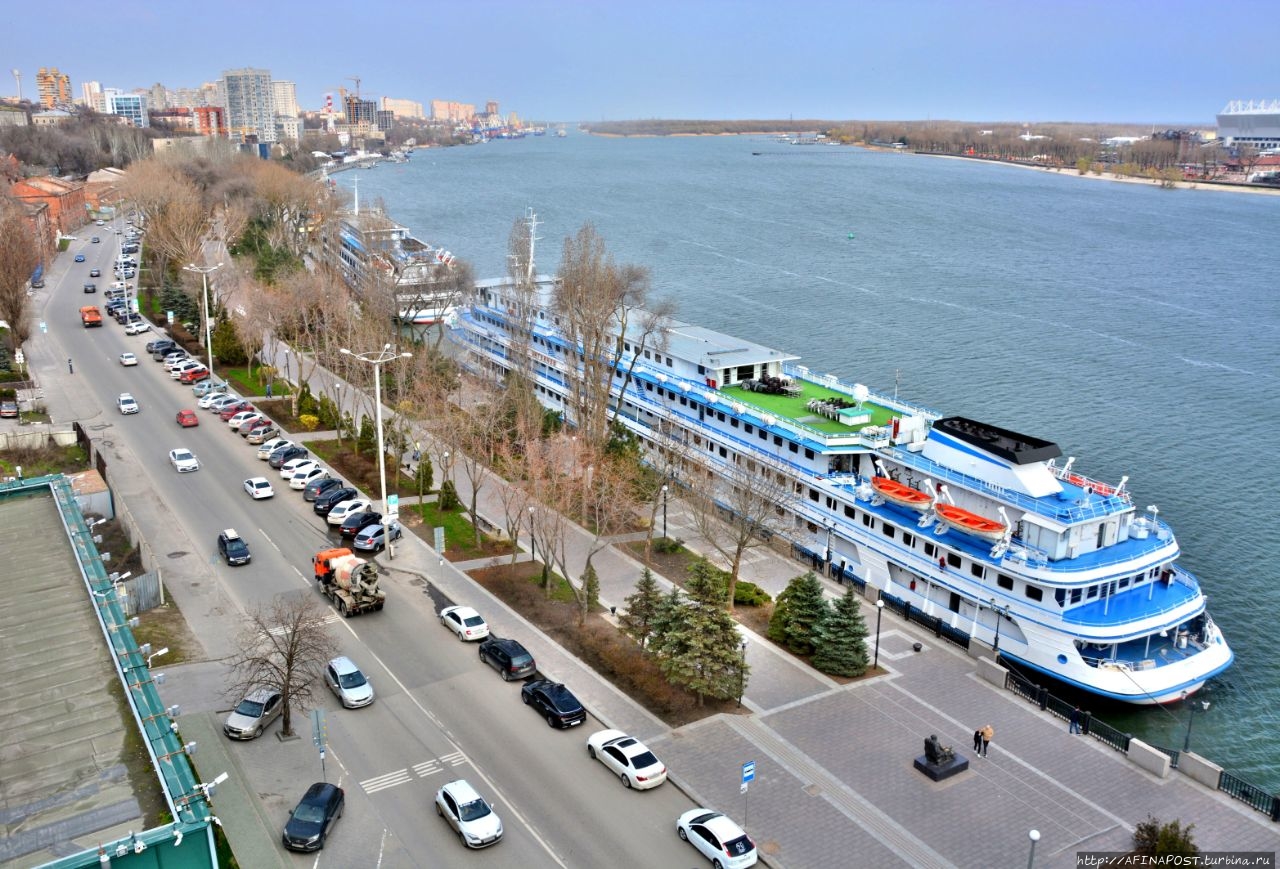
<point>356,79</point>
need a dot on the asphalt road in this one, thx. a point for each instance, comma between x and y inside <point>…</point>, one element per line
<point>436,703</point>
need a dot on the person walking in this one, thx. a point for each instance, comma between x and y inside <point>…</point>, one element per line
<point>1074,726</point>
<point>977,742</point>
<point>70,368</point>
<point>987,732</point>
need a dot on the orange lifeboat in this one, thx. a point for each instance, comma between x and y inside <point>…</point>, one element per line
<point>970,523</point>
<point>900,493</point>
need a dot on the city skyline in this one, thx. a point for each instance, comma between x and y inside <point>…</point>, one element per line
<point>994,61</point>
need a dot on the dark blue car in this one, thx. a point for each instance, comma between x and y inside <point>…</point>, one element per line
<point>313,819</point>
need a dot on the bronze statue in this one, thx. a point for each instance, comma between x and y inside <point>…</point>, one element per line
<point>937,753</point>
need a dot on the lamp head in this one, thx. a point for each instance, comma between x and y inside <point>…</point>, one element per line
<point>880,604</point>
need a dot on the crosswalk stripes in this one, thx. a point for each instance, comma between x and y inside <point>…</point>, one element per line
<point>388,780</point>
<point>426,769</point>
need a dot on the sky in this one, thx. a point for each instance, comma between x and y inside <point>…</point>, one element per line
<point>1158,62</point>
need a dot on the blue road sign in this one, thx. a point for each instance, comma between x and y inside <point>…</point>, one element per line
<point>748,771</point>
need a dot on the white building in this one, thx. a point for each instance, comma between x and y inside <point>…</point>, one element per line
<point>248,97</point>
<point>286,97</point>
<point>1255,124</point>
<point>131,106</point>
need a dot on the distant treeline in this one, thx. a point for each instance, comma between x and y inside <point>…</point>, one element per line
<point>659,127</point>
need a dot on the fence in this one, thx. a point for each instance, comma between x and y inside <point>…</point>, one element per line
<point>940,628</point>
<point>145,593</point>
<point>1234,786</point>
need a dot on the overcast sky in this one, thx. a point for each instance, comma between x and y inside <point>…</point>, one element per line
<point>1163,62</point>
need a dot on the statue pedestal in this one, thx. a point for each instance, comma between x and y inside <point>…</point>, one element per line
<point>942,771</point>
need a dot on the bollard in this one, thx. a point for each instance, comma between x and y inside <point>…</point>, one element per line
<point>1042,697</point>
<point>1085,717</point>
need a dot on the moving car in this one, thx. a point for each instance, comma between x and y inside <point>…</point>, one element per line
<point>9,409</point>
<point>339,512</point>
<point>325,503</point>
<point>258,488</point>
<point>253,714</point>
<point>91,287</point>
<point>95,239</point>
<point>311,822</point>
<point>507,657</point>
<point>354,523</point>
<point>183,460</point>
<point>465,622</point>
<point>316,488</point>
<point>127,403</point>
<point>188,418</point>
<point>232,547</point>
<point>79,257</point>
<point>372,538</point>
<point>128,359</point>
<point>718,839</point>
<point>554,702</point>
<point>476,824</point>
<point>347,683</point>
<point>628,757</point>
<point>95,273</point>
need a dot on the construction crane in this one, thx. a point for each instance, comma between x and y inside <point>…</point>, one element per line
<point>356,79</point>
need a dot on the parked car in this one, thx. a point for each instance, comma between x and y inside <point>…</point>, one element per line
<point>330,499</point>
<point>347,683</point>
<point>128,359</point>
<point>223,403</point>
<point>209,397</point>
<point>194,375</point>
<point>188,419</point>
<point>160,344</point>
<point>300,463</point>
<point>303,476</point>
<point>9,410</point>
<point>137,327</point>
<point>354,523</point>
<point>229,411</point>
<point>208,387</point>
<point>341,510</point>
<point>185,366</point>
<point>258,488</point>
<point>554,702</point>
<point>286,454</point>
<point>316,488</point>
<point>373,538</point>
<point>465,622</point>
<point>253,714</point>
<point>628,758</point>
<point>263,430</point>
<point>717,838</point>
<point>95,273</point>
<point>507,657</point>
<point>232,547</point>
<point>183,460</point>
<point>475,822</point>
<point>268,447</point>
<point>127,403</point>
<point>312,820</point>
<point>236,420</point>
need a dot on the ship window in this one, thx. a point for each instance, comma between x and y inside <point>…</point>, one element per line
<point>929,549</point>
<point>808,454</point>
<point>868,520</point>
<point>849,512</point>
<point>626,346</point>
<point>702,369</point>
<point>1076,595</point>
<point>1124,583</point>
<point>1060,595</point>
<point>1035,592</point>
<point>977,570</point>
<point>777,441</point>
<point>813,495</point>
<point>1093,592</point>
<point>646,355</point>
<point>1004,581</point>
<point>793,446</point>
<point>748,427</point>
<point>746,372</point>
<point>733,421</point>
<point>669,365</point>
<point>831,503</point>
<point>887,530</point>
<point>953,559</point>
<point>697,440</point>
<point>648,387</point>
<point>723,453</point>
<point>764,435</point>
<point>908,539</point>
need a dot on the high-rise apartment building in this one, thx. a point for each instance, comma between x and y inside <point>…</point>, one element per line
<point>91,91</point>
<point>250,104</point>
<point>54,87</point>
<point>402,108</point>
<point>285,94</point>
<point>361,111</point>
<point>445,110</point>
<point>158,97</point>
<point>210,120</point>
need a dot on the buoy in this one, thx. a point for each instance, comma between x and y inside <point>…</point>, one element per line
<point>851,235</point>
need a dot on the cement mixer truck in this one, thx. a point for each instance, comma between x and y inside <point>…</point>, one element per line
<point>349,581</point>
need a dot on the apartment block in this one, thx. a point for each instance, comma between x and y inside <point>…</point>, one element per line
<point>54,87</point>
<point>250,103</point>
<point>445,110</point>
<point>402,108</point>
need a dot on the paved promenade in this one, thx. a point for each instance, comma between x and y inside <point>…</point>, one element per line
<point>834,780</point>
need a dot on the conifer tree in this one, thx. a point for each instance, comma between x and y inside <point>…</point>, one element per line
<point>642,608</point>
<point>777,630</point>
<point>699,652</point>
<point>668,614</point>
<point>591,591</point>
<point>807,609</point>
<point>842,639</point>
<point>706,583</point>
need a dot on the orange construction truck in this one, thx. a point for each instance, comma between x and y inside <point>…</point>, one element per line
<point>90,316</point>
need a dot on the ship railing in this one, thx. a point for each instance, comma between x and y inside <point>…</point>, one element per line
<point>830,381</point>
<point>1097,487</point>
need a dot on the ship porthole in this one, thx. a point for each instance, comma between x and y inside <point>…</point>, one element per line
<point>1062,659</point>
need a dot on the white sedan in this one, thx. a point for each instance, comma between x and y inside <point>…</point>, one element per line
<point>289,468</point>
<point>128,359</point>
<point>300,477</point>
<point>258,488</point>
<point>628,757</point>
<point>465,622</point>
<point>346,508</point>
<point>127,403</point>
<point>265,451</point>
<point>183,460</point>
<point>206,401</point>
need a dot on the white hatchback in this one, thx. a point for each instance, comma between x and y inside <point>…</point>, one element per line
<point>287,469</point>
<point>347,508</point>
<point>241,418</point>
<point>265,451</point>
<point>717,838</point>
<point>303,476</point>
<point>206,401</point>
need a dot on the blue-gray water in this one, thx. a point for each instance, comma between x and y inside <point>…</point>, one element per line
<point>1136,327</point>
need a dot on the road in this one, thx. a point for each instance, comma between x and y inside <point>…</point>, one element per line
<point>439,710</point>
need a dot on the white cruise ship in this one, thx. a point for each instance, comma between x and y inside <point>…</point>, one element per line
<point>984,528</point>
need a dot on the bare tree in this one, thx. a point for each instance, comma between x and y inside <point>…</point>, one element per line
<point>283,647</point>
<point>737,506</point>
<point>18,259</point>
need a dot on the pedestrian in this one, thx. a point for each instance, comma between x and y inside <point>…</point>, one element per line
<point>417,454</point>
<point>70,368</point>
<point>268,389</point>
<point>942,563</point>
<point>987,732</point>
<point>1075,721</point>
<point>977,742</point>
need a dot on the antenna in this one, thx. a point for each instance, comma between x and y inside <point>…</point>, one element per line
<point>533,238</point>
<point>17,76</point>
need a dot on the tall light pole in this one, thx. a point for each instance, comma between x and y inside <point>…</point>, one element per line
<point>204,272</point>
<point>386,354</point>
<point>1191,716</point>
<point>996,610</point>
<point>826,560</point>
<point>1034,836</point>
<point>879,613</point>
<point>664,512</point>
<point>742,673</point>
<point>533,541</point>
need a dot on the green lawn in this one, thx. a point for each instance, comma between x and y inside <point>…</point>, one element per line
<point>459,534</point>
<point>793,407</point>
<point>252,385</point>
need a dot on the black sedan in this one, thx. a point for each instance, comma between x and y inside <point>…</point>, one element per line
<point>313,819</point>
<point>318,487</point>
<point>332,498</point>
<point>554,702</point>
<point>284,454</point>
<point>352,525</point>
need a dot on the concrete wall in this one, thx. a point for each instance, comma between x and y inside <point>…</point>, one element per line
<point>35,437</point>
<point>992,672</point>
<point>1198,769</point>
<point>1153,760</point>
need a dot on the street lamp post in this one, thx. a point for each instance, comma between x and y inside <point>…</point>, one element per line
<point>1034,836</point>
<point>664,512</point>
<point>204,272</point>
<point>1191,716</point>
<point>533,541</point>
<point>826,559</point>
<point>996,645</point>
<point>386,354</point>
<point>742,673</point>
<point>879,613</point>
